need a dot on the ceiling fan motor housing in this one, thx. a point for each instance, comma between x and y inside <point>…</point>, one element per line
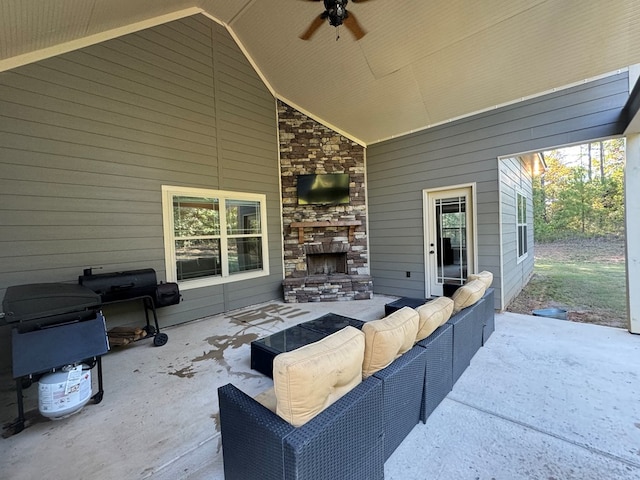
<point>337,11</point>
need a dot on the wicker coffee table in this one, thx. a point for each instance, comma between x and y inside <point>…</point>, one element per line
<point>264,350</point>
<point>389,308</point>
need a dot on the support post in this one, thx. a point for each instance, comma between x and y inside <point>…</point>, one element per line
<point>632,228</point>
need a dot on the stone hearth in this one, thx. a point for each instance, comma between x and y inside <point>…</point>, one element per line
<point>327,288</point>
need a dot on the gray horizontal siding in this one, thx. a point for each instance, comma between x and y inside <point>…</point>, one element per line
<point>88,138</point>
<point>467,151</point>
<point>514,179</point>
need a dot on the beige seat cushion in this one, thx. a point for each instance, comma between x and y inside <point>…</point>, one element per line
<point>309,379</point>
<point>433,314</point>
<point>388,338</point>
<point>467,295</point>
<point>486,277</point>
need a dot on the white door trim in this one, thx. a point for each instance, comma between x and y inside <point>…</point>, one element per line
<point>473,261</point>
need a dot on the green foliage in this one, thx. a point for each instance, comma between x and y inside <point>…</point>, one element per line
<point>580,194</point>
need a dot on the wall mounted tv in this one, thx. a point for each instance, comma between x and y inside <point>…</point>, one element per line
<point>323,189</point>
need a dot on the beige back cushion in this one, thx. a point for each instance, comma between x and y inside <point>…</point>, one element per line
<point>433,314</point>
<point>267,399</point>
<point>388,338</point>
<point>309,379</point>
<point>486,277</point>
<point>467,295</point>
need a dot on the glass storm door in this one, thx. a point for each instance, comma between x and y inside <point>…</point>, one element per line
<point>449,247</point>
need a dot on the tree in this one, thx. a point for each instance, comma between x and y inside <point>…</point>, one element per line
<point>578,196</point>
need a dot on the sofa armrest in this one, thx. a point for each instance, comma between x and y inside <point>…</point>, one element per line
<point>346,440</point>
<point>464,345</point>
<point>402,390</point>
<point>490,312</point>
<point>438,379</point>
<point>252,436</point>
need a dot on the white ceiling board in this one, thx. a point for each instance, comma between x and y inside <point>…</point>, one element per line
<point>31,25</point>
<point>555,47</point>
<point>406,31</point>
<point>111,14</point>
<point>377,111</point>
<point>394,103</point>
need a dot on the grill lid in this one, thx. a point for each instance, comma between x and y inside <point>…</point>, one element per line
<point>22,303</point>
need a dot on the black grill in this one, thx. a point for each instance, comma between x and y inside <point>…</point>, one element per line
<point>54,325</point>
<point>131,285</point>
<point>58,324</point>
<point>120,286</point>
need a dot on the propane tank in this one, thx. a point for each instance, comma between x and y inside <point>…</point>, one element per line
<point>65,392</point>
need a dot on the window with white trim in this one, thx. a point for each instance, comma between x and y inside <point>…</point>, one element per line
<point>213,236</point>
<point>521,206</point>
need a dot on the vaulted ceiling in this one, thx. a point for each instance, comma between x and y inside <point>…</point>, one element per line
<point>421,63</point>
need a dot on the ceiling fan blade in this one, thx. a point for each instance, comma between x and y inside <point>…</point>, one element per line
<point>315,24</point>
<point>354,27</point>
<point>359,1</point>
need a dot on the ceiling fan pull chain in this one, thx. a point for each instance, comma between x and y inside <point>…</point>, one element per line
<point>337,33</point>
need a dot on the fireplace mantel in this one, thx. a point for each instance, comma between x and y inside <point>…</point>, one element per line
<point>352,224</point>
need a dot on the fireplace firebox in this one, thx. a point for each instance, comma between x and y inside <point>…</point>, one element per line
<point>326,263</point>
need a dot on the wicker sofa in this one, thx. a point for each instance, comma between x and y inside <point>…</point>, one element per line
<point>353,437</point>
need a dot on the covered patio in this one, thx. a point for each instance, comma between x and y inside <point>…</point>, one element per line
<point>544,398</point>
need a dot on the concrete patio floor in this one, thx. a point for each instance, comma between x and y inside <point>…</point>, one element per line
<point>543,399</point>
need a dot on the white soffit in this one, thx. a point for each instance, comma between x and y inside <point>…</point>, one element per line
<point>34,30</point>
<point>547,48</point>
<point>410,31</point>
<point>28,26</point>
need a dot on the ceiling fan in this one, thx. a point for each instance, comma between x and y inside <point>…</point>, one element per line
<point>336,12</point>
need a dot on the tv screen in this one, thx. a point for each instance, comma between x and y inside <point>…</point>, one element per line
<point>323,189</point>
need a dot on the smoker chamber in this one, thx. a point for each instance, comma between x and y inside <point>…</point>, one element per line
<point>129,285</point>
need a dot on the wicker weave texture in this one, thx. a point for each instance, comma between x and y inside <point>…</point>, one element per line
<point>403,383</point>
<point>438,379</point>
<point>489,319</point>
<point>251,437</point>
<point>345,441</point>
<point>479,316</point>
<point>463,344</point>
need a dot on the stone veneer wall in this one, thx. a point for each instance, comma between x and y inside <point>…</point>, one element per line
<point>307,147</point>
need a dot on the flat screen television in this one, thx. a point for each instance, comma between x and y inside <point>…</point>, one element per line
<point>323,189</point>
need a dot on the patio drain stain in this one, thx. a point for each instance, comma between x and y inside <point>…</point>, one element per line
<point>186,372</point>
<point>269,314</point>
<point>221,344</point>
<point>216,419</point>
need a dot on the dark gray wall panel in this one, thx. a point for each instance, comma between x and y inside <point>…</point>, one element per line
<point>466,151</point>
<point>88,138</point>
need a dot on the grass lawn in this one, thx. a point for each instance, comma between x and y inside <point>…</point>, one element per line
<point>587,278</point>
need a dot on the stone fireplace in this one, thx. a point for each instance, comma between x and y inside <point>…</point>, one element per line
<point>327,262</point>
<point>325,246</point>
